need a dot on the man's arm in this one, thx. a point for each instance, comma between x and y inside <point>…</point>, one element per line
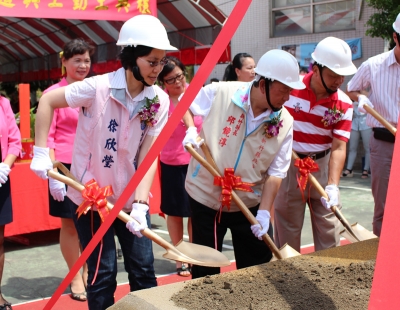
<point>354,94</point>
<point>336,161</point>
<point>270,190</point>
<point>359,82</point>
<point>265,211</point>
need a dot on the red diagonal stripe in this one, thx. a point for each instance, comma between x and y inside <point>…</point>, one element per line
<point>200,78</point>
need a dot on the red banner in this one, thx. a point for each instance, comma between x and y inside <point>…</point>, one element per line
<point>78,9</point>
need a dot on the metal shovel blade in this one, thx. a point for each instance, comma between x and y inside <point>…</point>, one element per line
<point>197,255</point>
<point>361,233</point>
<point>286,252</point>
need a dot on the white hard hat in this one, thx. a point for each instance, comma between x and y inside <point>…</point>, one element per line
<point>281,66</point>
<point>396,24</point>
<point>144,30</point>
<point>334,54</point>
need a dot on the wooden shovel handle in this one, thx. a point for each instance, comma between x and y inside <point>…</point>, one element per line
<point>380,119</point>
<point>71,181</point>
<point>312,179</point>
<point>334,209</point>
<point>213,169</point>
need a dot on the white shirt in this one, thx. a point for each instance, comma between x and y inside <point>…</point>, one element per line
<point>381,74</point>
<point>280,164</point>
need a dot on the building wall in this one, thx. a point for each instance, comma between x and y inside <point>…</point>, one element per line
<point>254,34</point>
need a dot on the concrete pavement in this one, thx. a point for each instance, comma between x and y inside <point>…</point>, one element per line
<point>34,271</point>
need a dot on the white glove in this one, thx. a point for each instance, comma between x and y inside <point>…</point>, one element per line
<point>191,137</point>
<point>363,100</point>
<point>41,162</point>
<point>4,171</point>
<point>333,193</point>
<point>263,218</point>
<point>57,189</point>
<point>139,211</point>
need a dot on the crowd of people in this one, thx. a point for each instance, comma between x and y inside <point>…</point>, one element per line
<point>102,127</point>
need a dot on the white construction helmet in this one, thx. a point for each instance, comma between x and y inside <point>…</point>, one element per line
<point>334,54</point>
<point>396,24</point>
<point>280,66</point>
<point>144,30</point>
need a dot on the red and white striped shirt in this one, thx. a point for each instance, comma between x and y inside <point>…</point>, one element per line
<point>310,135</point>
<point>381,74</point>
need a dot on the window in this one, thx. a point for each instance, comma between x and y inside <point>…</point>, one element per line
<point>293,17</point>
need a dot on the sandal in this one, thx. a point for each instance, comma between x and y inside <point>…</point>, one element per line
<point>364,174</point>
<point>78,296</point>
<point>180,271</point>
<point>347,173</point>
<point>6,306</point>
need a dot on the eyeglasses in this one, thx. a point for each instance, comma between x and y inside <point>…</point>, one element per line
<point>173,80</point>
<point>154,64</point>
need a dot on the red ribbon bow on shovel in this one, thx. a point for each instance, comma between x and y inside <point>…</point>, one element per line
<point>95,197</point>
<point>306,166</point>
<point>228,183</point>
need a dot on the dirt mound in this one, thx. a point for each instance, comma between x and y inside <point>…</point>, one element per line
<point>338,278</point>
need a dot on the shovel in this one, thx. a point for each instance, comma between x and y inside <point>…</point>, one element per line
<point>286,251</point>
<point>353,233</point>
<point>183,252</point>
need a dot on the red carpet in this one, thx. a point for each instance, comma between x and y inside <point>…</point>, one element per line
<point>67,303</point>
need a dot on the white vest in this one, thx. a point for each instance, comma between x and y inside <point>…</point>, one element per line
<point>250,154</point>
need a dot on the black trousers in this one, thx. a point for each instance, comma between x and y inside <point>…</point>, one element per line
<point>248,250</point>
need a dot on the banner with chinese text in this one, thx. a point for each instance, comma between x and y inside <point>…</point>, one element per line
<point>120,10</point>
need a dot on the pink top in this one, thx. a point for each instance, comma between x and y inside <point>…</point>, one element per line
<point>63,129</point>
<point>173,152</point>
<point>10,137</point>
<point>108,137</point>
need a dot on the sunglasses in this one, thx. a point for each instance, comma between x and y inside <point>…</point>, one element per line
<point>173,80</point>
<point>154,64</point>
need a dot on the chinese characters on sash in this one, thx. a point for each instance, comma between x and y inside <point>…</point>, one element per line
<point>110,144</point>
<point>226,131</point>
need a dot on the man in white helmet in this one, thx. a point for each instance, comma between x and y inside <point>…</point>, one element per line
<point>380,75</point>
<point>121,115</point>
<point>249,134</point>
<point>322,123</point>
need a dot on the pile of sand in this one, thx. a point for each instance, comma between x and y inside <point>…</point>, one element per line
<point>338,278</point>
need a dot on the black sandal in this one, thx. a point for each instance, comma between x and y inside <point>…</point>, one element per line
<point>364,174</point>
<point>6,306</point>
<point>184,268</point>
<point>78,296</point>
<point>347,173</point>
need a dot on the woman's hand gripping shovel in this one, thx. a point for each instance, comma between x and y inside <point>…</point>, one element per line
<point>183,252</point>
<point>286,251</point>
<point>353,233</point>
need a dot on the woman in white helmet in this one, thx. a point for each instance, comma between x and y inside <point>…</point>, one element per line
<point>121,115</point>
<point>249,134</point>
<point>322,122</point>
